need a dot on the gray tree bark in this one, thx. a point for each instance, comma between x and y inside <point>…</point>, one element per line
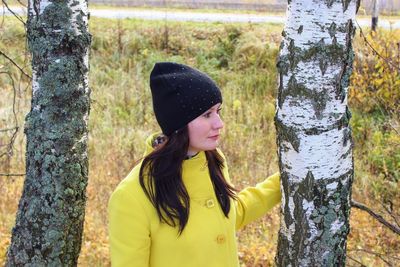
<point>314,138</point>
<point>49,222</point>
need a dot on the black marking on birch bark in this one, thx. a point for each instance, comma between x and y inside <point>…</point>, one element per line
<point>75,3</point>
<point>323,65</point>
<point>56,159</point>
<point>302,228</point>
<point>295,89</point>
<point>346,136</point>
<point>330,52</point>
<point>345,4</point>
<point>345,119</point>
<point>306,187</point>
<point>283,68</point>
<point>358,5</point>
<point>285,186</point>
<point>334,40</point>
<point>332,29</point>
<point>347,153</point>
<point>36,7</point>
<point>280,89</point>
<point>320,25</point>
<point>300,29</point>
<point>329,3</point>
<point>288,134</point>
<point>343,80</point>
<point>293,55</point>
<point>317,52</point>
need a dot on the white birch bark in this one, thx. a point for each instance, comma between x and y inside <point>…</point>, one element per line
<point>314,140</point>
<point>49,224</point>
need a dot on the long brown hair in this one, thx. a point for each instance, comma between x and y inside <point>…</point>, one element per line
<point>161,179</point>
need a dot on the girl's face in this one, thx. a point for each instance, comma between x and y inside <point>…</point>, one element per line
<point>204,131</point>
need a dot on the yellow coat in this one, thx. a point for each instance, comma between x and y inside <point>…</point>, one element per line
<point>138,239</point>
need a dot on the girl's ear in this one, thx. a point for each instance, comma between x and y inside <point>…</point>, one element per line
<point>159,140</point>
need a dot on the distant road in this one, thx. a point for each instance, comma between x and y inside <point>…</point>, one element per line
<point>202,17</point>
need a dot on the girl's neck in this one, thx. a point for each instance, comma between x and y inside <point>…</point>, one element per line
<point>191,155</point>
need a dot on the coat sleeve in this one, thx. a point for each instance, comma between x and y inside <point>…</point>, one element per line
<point>253,202</point>
<point>128,231</point>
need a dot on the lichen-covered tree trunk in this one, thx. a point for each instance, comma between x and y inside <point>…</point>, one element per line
<point>51,211</point>
<point>314,138</point>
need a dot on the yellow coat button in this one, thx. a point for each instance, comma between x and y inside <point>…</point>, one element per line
<point>210,203</point>
<point>220,239</point>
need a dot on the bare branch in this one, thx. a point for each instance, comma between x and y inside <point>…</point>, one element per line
<point>8,129</point>
<point>10,145</point>
<point>15,64</point>
<point>394,128</point>
<point>374,253</point>
<point>22,4</point>
<point>12,12</point>
<point>360,206</point>
<point>379,255</point>
<point>390,212</point>
<point>359,262</point>
<point>12,174</point>
<point>387,61</point>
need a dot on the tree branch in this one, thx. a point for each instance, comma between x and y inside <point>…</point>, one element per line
<point>15,64</point>
<point>12,174</point>
<point>387,61</point>
<point>8,129</point>
<point>390,212</point>
<point>12,12</point>
<point>360,206</point>
<point>22,4</point>
<point>351,258</point>
<point>16,127</point>
<point>380,255</point>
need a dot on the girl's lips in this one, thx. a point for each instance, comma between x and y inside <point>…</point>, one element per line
<point>215,137</point>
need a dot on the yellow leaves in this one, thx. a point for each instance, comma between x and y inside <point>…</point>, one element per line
<point>237,105</point>
<point>145,52</point>
<point>378,82</point>
<point>375,83</point>
<point>377,138</point>
<point>379,67</point>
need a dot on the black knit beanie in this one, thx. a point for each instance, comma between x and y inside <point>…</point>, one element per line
<point>180,94</point>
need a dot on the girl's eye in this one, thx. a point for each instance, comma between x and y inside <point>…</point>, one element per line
<point>207,115</point>
<point>219,110</point>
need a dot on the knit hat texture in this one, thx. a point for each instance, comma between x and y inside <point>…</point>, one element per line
<point>180,94</point>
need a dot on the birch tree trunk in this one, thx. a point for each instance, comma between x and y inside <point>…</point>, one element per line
<point>314,138</point>
<point>49,222</point>
<point>375,14</point>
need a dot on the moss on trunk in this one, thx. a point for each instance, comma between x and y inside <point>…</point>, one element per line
<point>49,224</point>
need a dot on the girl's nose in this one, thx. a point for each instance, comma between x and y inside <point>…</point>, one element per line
<point>218,123</point>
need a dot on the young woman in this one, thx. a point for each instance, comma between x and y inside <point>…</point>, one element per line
<point>177,207</point>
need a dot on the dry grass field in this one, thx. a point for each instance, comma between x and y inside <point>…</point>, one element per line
<point>241,58</point>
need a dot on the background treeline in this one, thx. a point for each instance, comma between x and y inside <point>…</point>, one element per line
<point>387,7</point>
<point>241,58</point>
